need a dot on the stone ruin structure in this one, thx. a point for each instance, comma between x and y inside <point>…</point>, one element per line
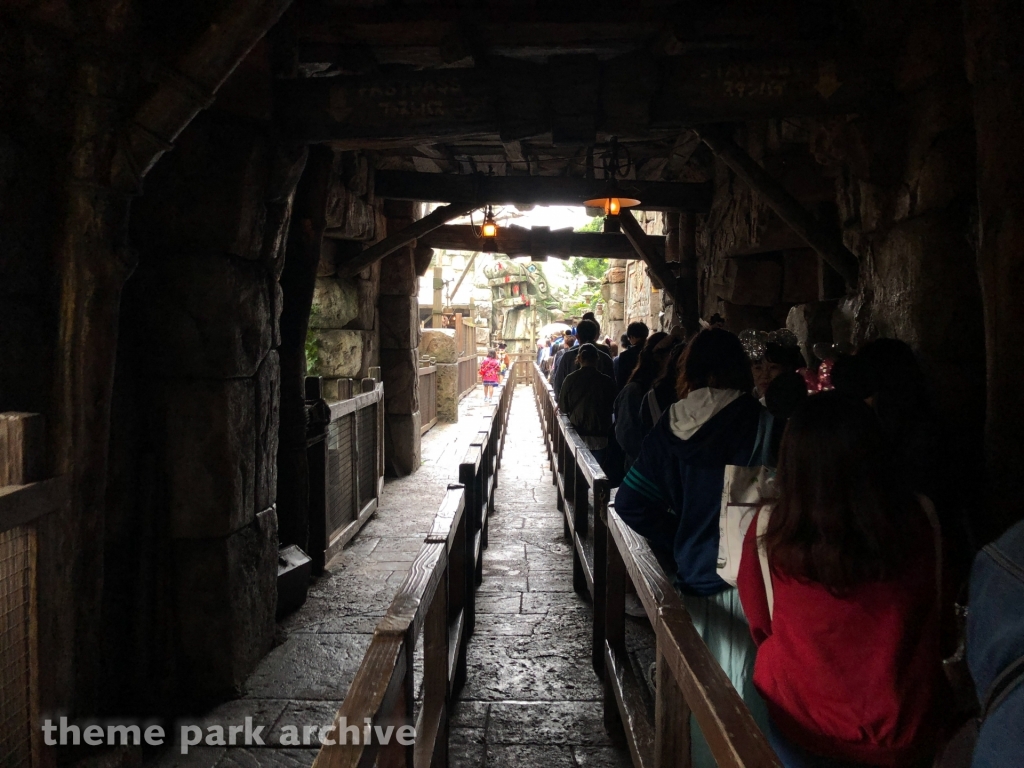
<point>521,303</point>
<point>181,182</point>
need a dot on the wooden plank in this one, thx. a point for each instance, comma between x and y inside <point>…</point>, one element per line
<point>828,242</point>
<point>407,611</point>
<point>378,682</point>
<point>652,585</point>
<point>727,725</point>
<point>403,237</point>
<point>341,408</point>
<point>632,708</point>
<point>539,190</point>
<point>671,720</point>
<point>519,241</point>
<point>22,448</point>
<point>22,504</point>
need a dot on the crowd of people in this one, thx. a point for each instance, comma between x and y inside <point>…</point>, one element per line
<point>837,627</point>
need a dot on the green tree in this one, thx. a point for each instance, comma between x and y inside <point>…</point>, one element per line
<point>596,224</point>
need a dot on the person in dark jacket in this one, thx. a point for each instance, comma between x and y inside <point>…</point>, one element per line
<point>586,333</point>
<point>995,649</point>
<point>672,495</point>
<point>636,333</point>
<point>586,398</point>
<point>629,428</point>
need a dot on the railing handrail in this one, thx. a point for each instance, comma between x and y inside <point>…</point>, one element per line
<point>689,677</point>
<point>383,677</point>
<point>358,401</point>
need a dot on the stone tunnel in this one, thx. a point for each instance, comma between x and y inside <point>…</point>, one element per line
<point>193,195</point>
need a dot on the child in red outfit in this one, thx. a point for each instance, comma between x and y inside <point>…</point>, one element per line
<point>490,373</point>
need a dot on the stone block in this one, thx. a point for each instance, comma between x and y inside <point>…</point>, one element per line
<point>327,265</point>
<point>349,216</point>
<point>225,595</point>
<point>756,282</point>
<point>448,392</point>
<point>799,276</point>
<point>268,405</point>
<point>398,274</point>
<point>208,430</point>
<point>335,303</point>
<point>399,322</point>
<point>399,370</point>
<point>439,343</point>
<point>615,311</point>
<point>615,274</point>
<point>367,285</point>
<point>205,315</point>
<point>401,443</point>
<point>614,291</point>
<point>341,352</point>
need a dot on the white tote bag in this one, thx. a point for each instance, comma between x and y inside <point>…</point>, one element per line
<point>744,489</point>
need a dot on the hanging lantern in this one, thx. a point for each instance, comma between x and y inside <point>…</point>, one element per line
<point>613,201</point>
<point>489,229</point>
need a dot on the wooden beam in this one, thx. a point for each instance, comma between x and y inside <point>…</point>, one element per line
<point>404,236</point>
<point>539,190</point>
<point>828,243</point>
<point>644,245</point>
<point>537,242</point>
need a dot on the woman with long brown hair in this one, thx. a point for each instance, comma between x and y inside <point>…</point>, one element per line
<point>843,598</point>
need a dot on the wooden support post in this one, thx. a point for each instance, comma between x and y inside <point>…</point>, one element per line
<point>829,244</point>
<point>403,237</point>
<point>645,249</point>
<point>994,29</point>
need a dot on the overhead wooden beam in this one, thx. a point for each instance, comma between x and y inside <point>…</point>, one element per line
<point>626,96</point>
<point>539,242</point>
<point>535,190</point>
<point>392,243</point>
<point>826,241</point>
<point>644,245</point>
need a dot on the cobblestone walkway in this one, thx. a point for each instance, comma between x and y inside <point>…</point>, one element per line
<point>303,680</point>
<point>531,699</point>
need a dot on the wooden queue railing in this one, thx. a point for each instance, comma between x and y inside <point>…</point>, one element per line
<point>690,682</point>
<point>436,601</point>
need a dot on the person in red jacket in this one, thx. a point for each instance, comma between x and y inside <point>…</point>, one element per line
<point>848,658</point>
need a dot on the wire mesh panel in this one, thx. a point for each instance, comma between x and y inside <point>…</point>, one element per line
<point>340,475</point>
<point>367,453</point>
<point>17,617</point>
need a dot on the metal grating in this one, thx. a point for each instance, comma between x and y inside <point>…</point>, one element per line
<point>17,557</point>
<point>340,477</point>
<point>367,454</point>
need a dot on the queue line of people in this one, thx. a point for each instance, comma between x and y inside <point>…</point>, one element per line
<point>836,626</point>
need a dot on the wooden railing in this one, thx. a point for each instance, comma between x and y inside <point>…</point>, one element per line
<point>345,454</point>
<point>467,374</point>
<point>583,492</point>
<point>689,679</point>
<point>24,500</point>
<point>428,397</point>
<point>436,600</point>
<point>430,602</point>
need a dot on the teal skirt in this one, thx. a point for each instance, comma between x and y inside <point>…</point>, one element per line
<point>720,621</point>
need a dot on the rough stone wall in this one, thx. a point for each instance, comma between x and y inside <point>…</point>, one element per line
<point>191,533</point>
<point>643,302</point>
<point>899,182</point>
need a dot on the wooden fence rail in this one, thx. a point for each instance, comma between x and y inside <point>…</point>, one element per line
<point>467,374</point>
<point>428,397</point>
<point>345,454</point>
<point>689,679</point>
<point>436,601</point>
<point>25,499</point>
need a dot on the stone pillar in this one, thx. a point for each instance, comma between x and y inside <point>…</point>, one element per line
<point>398,310</point>
<point>205,305</point>
<point>996,71</point>
<point>440,345</point>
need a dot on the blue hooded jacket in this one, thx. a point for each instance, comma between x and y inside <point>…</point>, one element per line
<point>673,492</point>
<point>995,648</point>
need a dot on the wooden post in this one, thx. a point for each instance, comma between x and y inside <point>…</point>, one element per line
<point>994,29</point>
<point>437,309</point>
<point>826,242</point>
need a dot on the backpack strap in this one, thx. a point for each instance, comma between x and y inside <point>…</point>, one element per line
<point>1004,684</point>
<point>762,556</point>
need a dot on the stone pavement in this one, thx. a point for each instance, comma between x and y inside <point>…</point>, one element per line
<point>531,698</point>
<point>303,680</point>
